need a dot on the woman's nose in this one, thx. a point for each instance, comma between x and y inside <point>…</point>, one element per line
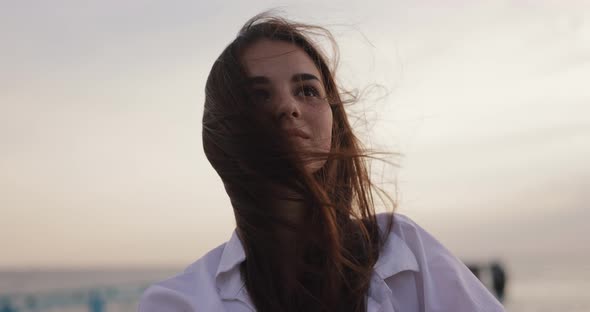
<point>287,107</point>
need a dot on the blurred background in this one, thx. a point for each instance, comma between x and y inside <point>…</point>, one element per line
<point>104,187</point>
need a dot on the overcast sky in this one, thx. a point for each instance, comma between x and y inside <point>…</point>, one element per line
<point>101,162</point>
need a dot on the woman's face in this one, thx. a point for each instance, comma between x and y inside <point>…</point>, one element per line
<point>285,83</point>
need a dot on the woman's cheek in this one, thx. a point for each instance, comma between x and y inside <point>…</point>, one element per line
<point>321,122</point>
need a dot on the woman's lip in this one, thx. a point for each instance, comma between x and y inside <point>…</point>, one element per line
<point>297,132</point>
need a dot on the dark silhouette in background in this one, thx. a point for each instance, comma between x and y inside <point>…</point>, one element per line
<point>498,279</point>
<point>474,269</point>
<point>497,273</point>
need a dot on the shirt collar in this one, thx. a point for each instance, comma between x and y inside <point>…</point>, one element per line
<point>228,279</point>
<point>233,254</point>
<point>395,257</point>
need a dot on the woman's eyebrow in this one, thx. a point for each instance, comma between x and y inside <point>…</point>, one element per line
<point>303,77</point>
<point>296,78</point>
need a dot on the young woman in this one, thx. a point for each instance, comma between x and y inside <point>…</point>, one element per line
<point>307,236</point>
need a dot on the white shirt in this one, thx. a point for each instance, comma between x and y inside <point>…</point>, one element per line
<point>414,272</point>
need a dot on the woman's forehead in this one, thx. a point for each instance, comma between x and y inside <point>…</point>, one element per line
<point>277,59</point>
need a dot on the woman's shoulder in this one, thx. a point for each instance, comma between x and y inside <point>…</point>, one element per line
<point>383,217</point>
<point>196,284</point>
<point>452,283</point>
<point>401,225</point>
<point>407,235</point>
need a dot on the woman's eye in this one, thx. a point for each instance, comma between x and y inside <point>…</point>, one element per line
<point>308,91</point>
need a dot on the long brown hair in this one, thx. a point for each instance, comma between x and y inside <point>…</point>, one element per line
<point>339,242</point>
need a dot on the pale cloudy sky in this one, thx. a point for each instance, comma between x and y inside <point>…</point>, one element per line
<point>101,161</point>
